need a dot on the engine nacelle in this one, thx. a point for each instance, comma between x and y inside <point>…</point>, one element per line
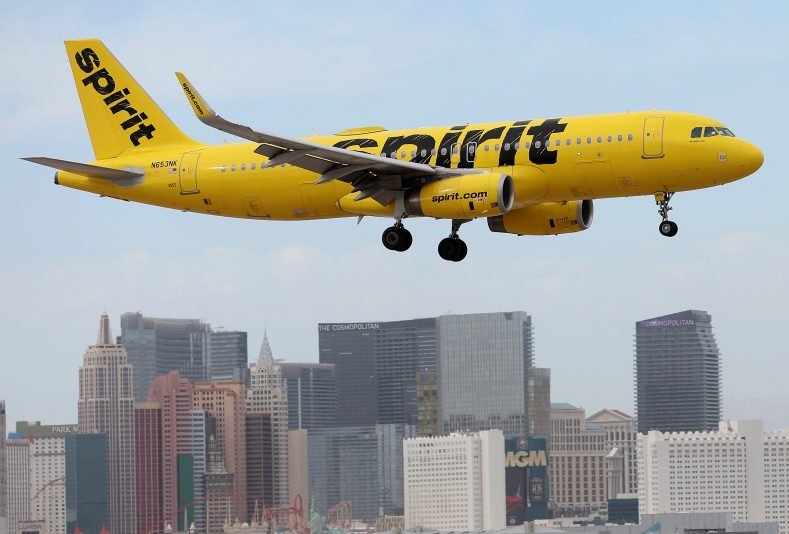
<point>464,197</point>
<point>546,218</point>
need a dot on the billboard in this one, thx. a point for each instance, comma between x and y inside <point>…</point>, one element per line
<point>526,477</point>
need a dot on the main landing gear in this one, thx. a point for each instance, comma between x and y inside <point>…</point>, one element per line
<point>453,248</point>
<point>397,238</point>
<point>666,227</point>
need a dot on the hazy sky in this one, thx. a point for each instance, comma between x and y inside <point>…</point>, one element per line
<point>303,68</point>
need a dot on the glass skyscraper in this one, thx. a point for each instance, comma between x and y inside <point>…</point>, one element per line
<point>312,394</point>
<point>483,372</point>
<point>376,366</point>
<point>677,372</point>
<point>87,479</point>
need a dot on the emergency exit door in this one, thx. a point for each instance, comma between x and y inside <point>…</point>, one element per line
<point>187,173</point>
<point>653,137</point>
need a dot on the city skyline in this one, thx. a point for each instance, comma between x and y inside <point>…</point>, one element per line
<point>596,282</point>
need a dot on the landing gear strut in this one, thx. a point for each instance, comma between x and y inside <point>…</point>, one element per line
<point>397,238</point>
<point>666,227</point>
<point>453,248</point>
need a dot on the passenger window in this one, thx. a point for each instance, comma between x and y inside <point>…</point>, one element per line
<point>568,142</point>
<point>710,131</point>
<point>599,139</point>
<point>547,143</point>
<point>487,148</point>
<point>527,144</point>
<point>588,140</point>
<point>243,166</point>
<point>558,142</point>
<point>394,155</point>
<point>629,137</point>
<point>233,167</point>
<point>423,153</point>
<point>444,151</point>
<point>578,141</point>
<point>517,145</point>
<point>402,154</point>
<point>610,138</point>
<point>433,152</point>
<point>537,144</point>
<point>413,153</point>
<point>506,147</point>
<point>470,150</point>
<point>497,147</point>
<point>252,167</point>
<point>619,138</point>
<point>454,149</point>
<point>695,132</point>
<point>223,168</point>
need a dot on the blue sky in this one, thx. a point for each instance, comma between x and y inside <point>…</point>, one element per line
<point>299,68</point>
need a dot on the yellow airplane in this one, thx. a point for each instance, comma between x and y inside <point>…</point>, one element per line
<point>526,177</point>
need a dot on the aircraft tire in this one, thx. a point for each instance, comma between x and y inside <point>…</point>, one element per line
<point>397,238</point>
<point>452,249</point>
<point>668,228</point>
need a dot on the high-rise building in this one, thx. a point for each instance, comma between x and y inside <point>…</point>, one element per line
<point>157,346</point>
<point>148,465</point>
<point>578,463</point>
<point>198,442</point>
<point>737,468</point>
<point>455,482</point>
<point>18,449</point>
<point>260,480</point>
<point>620,442</point>
<point>47,482</point>
<point>539,401</point>
<point>174,396</point>
<point>312,394</point>
<point>106,406</point>
<point>87,478</point>
<point>376,365</point>
<point>223,403</point>
<point>483,372</point>
<point>363,465</point>
<point>219,488</point>
<point>298,465</point>
<point>427,403</point>
<point>677,372</point>
<point>227,356</point>
<point>267,395</point>
<point>3,471</point>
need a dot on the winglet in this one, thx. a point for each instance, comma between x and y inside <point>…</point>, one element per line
<point>200,107</point>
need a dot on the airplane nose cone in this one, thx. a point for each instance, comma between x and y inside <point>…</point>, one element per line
<point>751,158</point>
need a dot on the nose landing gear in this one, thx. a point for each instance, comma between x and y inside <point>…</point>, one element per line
<point>453,248</point>
<point>666,227</point>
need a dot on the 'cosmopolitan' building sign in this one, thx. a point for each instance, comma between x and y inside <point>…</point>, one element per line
<point>338,327</point>
<point>669,322</point>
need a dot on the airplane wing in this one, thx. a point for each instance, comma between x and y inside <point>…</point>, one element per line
<point>372,176</point>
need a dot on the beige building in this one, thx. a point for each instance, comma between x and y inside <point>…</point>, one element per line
<point>18,482</point>
<point>620,441</point>
<point>106,406</point>
<point>298,465</point>
<point>267,395</point>
<point>223,402</point>
<point>578,463</point>
<point>48,483</point>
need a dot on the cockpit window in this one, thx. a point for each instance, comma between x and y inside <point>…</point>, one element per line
<point>725,131</point>
<point>710,131</point>
<point>695,132</point>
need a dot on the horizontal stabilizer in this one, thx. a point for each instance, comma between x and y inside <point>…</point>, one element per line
<point>91,171</point>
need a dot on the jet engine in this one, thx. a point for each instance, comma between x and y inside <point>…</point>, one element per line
<point>463,197</point>
<point>546,218</point>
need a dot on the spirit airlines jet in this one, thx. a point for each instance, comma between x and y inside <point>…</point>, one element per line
<point>525,177</point>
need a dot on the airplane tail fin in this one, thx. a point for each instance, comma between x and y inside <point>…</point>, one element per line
<point>119,114</point>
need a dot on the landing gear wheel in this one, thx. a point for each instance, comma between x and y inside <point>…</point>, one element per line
<point>452,249</point>
<point>668,228</point>
<point>397,238</point>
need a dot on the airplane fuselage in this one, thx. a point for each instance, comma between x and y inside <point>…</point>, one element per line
<point>550,160</point>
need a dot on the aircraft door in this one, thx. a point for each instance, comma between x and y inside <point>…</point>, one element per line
<point>187,173</point>
<point>653,137</point>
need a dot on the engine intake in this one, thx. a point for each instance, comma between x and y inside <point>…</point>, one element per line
<point>464,197</point>
<point>545,219</point>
